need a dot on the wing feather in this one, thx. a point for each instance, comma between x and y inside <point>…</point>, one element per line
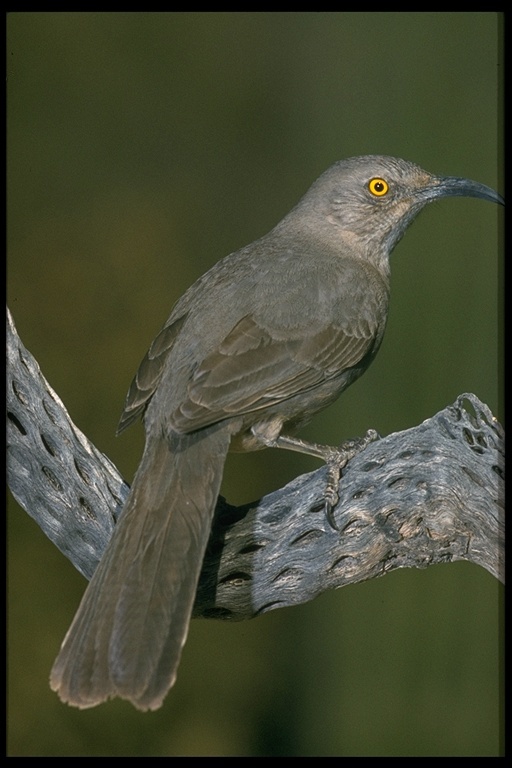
<point>253,369</point>
<point>149,373</point>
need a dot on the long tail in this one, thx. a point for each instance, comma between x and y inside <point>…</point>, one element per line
<point>129,630</point>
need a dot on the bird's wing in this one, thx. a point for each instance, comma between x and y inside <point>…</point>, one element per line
<point>149,373</point>
<point>253,368</point>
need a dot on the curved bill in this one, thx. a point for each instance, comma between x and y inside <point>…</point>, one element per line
<point>453,186</point>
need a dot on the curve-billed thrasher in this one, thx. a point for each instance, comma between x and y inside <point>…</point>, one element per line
<point>266,338</point>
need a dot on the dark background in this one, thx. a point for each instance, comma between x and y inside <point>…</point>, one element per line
<point>143,147</point>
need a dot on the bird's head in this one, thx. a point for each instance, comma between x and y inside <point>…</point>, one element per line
<point>368,202</point>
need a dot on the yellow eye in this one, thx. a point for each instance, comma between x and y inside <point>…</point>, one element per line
<point>378,187</point>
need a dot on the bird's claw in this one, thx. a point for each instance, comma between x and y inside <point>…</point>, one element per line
<point>336,461</point>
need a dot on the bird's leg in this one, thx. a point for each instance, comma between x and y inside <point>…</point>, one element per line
<point>335,458</point>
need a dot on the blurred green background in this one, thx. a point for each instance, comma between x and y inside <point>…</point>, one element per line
<point>143,147</point>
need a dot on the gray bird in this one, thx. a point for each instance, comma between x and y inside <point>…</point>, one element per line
<point>266,338</point>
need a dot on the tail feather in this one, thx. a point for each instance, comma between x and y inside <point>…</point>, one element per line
<point>129,630</point>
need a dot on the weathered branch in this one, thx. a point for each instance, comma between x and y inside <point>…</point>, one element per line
<point>426,495</point>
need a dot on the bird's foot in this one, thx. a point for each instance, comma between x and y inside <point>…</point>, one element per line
<point>336,460</point>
